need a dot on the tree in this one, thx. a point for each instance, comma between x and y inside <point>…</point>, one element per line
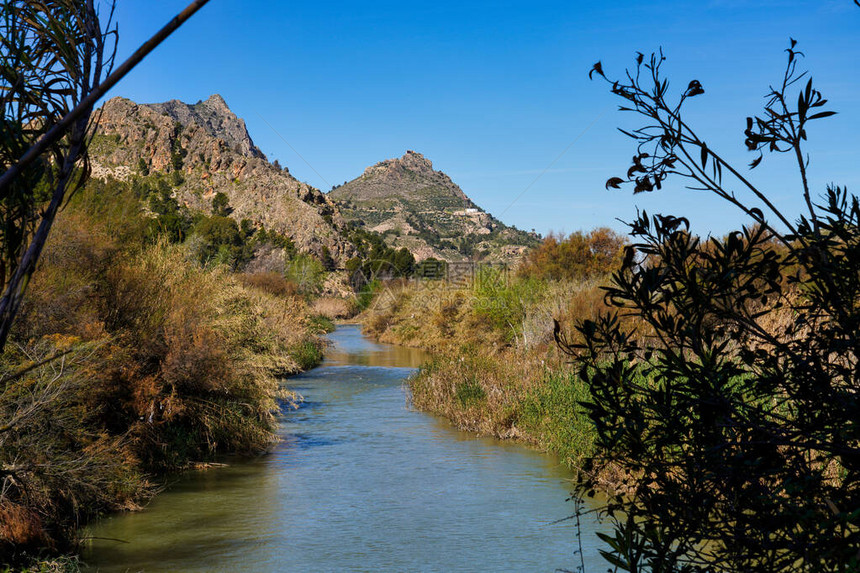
<point>328,262</point>
<point>220,240</point>
<point>171,220</point>
<point>725,382</point>
<point>221,204</point>
<point>307,272</point>
<point>577,256</point>
<point>52,56</point>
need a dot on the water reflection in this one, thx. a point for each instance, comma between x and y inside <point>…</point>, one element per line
<point>349,347</point>
<point>358,483</point>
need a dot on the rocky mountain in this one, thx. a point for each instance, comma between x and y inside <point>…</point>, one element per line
<point>216,118</point>
<point>422,209</point>
<point>204,149</point>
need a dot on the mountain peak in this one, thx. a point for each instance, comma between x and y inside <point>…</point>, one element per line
<point>216,100</point>
<point>423,210</point>
<point>214,116</point>
<point>416,161</point>
<point>411,161</point>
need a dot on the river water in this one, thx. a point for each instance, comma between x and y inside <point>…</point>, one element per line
<point>359,482</point>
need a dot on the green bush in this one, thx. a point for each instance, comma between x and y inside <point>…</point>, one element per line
<point>503,300</point>
<point>321,324</point>
<point>307,272</point>
<point>307,354</point>
<point>469,393</point>
<point>551,414</point>
<point>221,241</point>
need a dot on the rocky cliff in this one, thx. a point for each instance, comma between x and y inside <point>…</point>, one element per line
<point>205,149</point>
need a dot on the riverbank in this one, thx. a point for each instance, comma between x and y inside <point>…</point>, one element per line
<point>496,371</point>
<point>130,362</point>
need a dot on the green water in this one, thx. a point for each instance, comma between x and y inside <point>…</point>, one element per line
<point>359,482</point>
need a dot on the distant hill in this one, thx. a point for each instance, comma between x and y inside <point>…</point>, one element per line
<point>204,149</point>
<point>417,207</point>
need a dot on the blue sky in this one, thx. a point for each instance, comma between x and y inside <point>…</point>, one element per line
<point>497,94</point>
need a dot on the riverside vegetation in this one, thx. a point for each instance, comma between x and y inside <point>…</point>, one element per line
<point>718,388</point>
<point>719,377</point>
<point>497,370</point>
<point>736,419</point>
<point>136,354</point>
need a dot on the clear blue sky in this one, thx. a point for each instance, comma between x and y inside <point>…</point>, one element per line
<point>495,92</point>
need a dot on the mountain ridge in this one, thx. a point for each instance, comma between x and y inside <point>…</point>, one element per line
<point>216,117</point>
<point>203,150</point>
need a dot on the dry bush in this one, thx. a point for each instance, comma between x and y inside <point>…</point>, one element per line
<point>520,313</point>
<point>430,316</point>
<point>270,282</point>
<point>211,350</point>
<point>444,317</point>
<point>562,301</point>
<point>476,392</point>
<point>20,525</point>
<point>58,469</point>
<point>169,364</point>
<point>60,296</point>
<point>334,308</point>
<point>376,323</point>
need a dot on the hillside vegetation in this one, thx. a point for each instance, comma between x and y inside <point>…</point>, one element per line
<point>417,207</point>
<point>203,151</point>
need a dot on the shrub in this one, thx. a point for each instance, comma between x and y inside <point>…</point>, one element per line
<point>221,204</point>
<point>737,433</point>
<point>578,256</point>
<point>221,242</point>
<point>306,354</point>
<point>166,363</point>
<point>270,282</point>
<point>307,272</point>
<point>320,324</point>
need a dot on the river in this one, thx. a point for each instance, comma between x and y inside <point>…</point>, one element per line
<point>359,482</point>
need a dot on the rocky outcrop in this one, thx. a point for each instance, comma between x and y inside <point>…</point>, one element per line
<point>216,118</point>
<point>206,149</point>
<point>406,178</point>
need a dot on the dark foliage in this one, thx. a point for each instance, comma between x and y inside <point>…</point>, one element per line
<point>222,241</point>
<point>221,204</point>
<point>53,55</point>
<point>376,260</point>
<point>171,220</point>
<point>733,411</point>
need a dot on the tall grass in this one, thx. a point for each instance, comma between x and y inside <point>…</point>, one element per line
<point>130,360</point>
<point>551,417</point>
<point>525,399</point>
<point>497,371</point>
